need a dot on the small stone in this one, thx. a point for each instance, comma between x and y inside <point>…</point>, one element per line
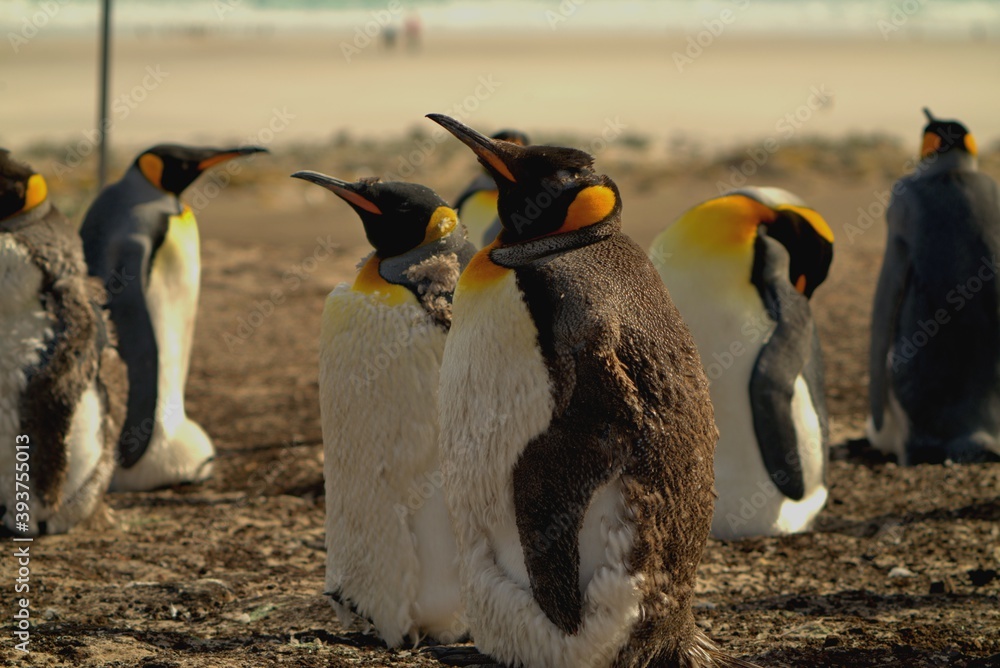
<point>942,587</point>
<point>901,572</point>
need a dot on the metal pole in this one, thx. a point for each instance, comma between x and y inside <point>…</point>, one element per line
<point>102,120</point>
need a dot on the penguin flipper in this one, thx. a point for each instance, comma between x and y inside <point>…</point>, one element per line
<point>779,364</point>
<point>889,293</point>
<point>137,347</point>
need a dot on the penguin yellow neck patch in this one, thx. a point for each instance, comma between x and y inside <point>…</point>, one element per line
<point>591,205</point>
<point>481,270</point>
<point>443,222</point>
<point>370,282</point>
<point>35,193</point>
<point>151,167</point>
<point>726,223</point>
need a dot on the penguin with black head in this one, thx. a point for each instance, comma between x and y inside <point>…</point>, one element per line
<point>390,549</point>
<point>142,240</point>
<point>577,432</point>
<point>63,387</point>
<point>935,348</point>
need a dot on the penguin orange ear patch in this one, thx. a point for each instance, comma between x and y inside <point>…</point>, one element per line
<point>970,144</point>
<point>443,221</point>
<point>36,192</point>
<point>151,167</point>
<point>591,205</point>
<point>931,144</point>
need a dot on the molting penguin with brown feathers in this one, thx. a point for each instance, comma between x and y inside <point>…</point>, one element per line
<point>576,431</point>
<point>63,387</point>
<point>935,347</point>
<point>143,242</point>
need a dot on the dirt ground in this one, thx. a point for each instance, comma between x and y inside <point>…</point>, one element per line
<point>901,569</point>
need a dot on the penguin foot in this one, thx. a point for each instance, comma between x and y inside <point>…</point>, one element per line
<point>462,656</point>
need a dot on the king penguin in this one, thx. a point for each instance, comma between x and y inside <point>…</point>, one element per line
<point>576,431</point>
<point>741,268</point>
<point>935,350</point>
<point>477,205</point>
<point>142,241</point>
<point>63,387</point>
<point>391,556</point>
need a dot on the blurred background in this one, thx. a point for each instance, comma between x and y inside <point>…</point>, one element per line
<point>678,100</point>
<point>670,82</point>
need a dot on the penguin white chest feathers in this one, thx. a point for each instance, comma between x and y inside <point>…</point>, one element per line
<point>391,556</point>
<point>741,268</point>
<point>143,243</point>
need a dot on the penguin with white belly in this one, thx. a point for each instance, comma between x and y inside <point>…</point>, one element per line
<point>142,241</point>
<point>935,347</point>
<point>391,558</point>
<point>741,268</point>
<point>576,432</point>
<point>63,387</point>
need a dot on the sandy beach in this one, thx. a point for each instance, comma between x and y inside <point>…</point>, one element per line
<point>230,573</point>
<point>737,89</point>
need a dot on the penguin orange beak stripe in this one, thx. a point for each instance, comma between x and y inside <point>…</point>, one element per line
<point>229,155</point>
<point>342,189</point>
<point>485,148</point>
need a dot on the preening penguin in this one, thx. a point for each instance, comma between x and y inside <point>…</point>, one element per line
<point>741,268</point>
<point>142,241</point>
<point>576,431</point>
<point>63,387</point>
<point>391,555</point>
<point>935,349</point>
<point>477,205</point>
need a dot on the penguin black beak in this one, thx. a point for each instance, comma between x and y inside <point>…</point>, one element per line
<point>929,115</point>
<point>345,190</point>
<point>490,152</point>
<point>229,154</point>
